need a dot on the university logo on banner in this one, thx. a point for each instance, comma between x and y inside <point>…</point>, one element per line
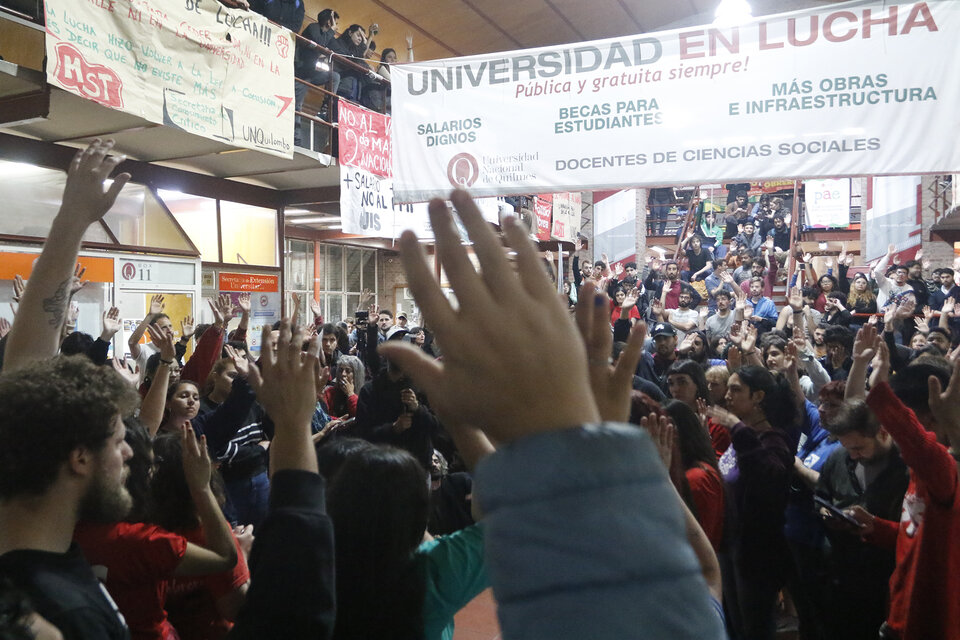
<point>224,74</point>
<point>832,91</point>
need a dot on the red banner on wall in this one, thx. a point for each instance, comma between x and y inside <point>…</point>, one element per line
<point>542,208</point>
<point>365,139</point>
<point>248,282</point>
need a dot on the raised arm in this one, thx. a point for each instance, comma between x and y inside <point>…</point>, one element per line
<point>156,308</point>
<point>865,347</point>
<point>35,334</point>
<point>154,402</point>
<point>219,552</point>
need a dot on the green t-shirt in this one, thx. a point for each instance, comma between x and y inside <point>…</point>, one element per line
<point>455,573</point>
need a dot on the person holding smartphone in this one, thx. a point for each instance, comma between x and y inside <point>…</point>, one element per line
<point>868,472</point>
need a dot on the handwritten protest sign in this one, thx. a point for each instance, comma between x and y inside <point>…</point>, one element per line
<point>196,65</point>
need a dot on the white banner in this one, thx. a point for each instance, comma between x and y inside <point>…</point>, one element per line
<point>367,207</point>
<point>828,203</point>
<point>196,65</point>
<point>842,90</point>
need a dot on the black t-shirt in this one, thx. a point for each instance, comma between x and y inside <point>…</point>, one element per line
<point>698,262</point>
<point>450,505</point>
<point>63,589</point>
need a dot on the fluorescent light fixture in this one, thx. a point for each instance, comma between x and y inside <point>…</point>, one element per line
<point>822,246</point>
<point>21,170</point>
<point>732,12</point>
<point>659,250</point>
<point>325,220</point>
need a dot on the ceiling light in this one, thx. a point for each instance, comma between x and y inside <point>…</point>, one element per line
<point>315,220</point>
<point>732,12</point>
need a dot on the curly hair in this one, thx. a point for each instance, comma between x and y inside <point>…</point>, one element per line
<point>51,408</point>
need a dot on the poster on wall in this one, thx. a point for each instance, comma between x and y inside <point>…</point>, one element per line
<point>824,92</point>
<point>264,290</point>
<point>828,203</point>
<point>567,209</point>
<point>199,66</point>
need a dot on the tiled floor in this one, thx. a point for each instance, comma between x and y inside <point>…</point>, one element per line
<point>478,620</point>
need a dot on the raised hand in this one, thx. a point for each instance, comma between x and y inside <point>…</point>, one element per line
<point>19,286</point>
<point>656,307</point>
<point>866,343</point>
<point>945,403</point>
<point>905,309</point>
<point>663,434</point>
<point>127,371</point>
<point>618,269</point>
<point>550,390</point>
<point>749,339</point>
<point>77,282</point>
<point>655,264</point>
<point>227,310</point>
<point>828,262</point>
<point>197,466</point>
<point>187,327</point>
<point>164,341</point>
<point>891,249</point>
<point>611,384</point>
<point>83,195</point>
<point>285,387</point>
<point>928,313</point>
<point>243,301</point>
<point>796,299</point>
<point>110,323</point>
<point>4,327</point>
<point>240,361</point>
<point>807,257</point>
<point>722,417</point>
<point>842,258</point>
<point>156,305</point>
<point>316,309</point>
<point>630,300</point>
<point>880,365</point>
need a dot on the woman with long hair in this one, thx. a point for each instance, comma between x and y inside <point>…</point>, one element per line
<point>861,298</point>
<point>699,462</point>
<point>761,415</point>
<point>199,607</point>
<point>391,584</point>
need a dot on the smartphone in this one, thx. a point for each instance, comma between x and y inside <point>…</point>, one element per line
<point>835,512</point>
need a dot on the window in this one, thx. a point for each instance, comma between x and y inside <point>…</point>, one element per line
<point>249,234</point>
<point>342,274</point>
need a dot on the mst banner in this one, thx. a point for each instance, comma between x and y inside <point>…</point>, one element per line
<point>220,73</point>
<point>850,89</point>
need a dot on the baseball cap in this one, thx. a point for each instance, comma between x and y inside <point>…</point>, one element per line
<point>663,329</point>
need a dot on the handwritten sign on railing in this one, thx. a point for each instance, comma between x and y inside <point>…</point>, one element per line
<point>196,65</point>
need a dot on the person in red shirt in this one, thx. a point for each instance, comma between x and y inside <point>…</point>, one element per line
<point>622,302</point>
<point>699,464</point>
<point>135,560</point>
<point>923,420</point>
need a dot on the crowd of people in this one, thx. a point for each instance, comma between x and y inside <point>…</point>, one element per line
<point>369,480</point>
